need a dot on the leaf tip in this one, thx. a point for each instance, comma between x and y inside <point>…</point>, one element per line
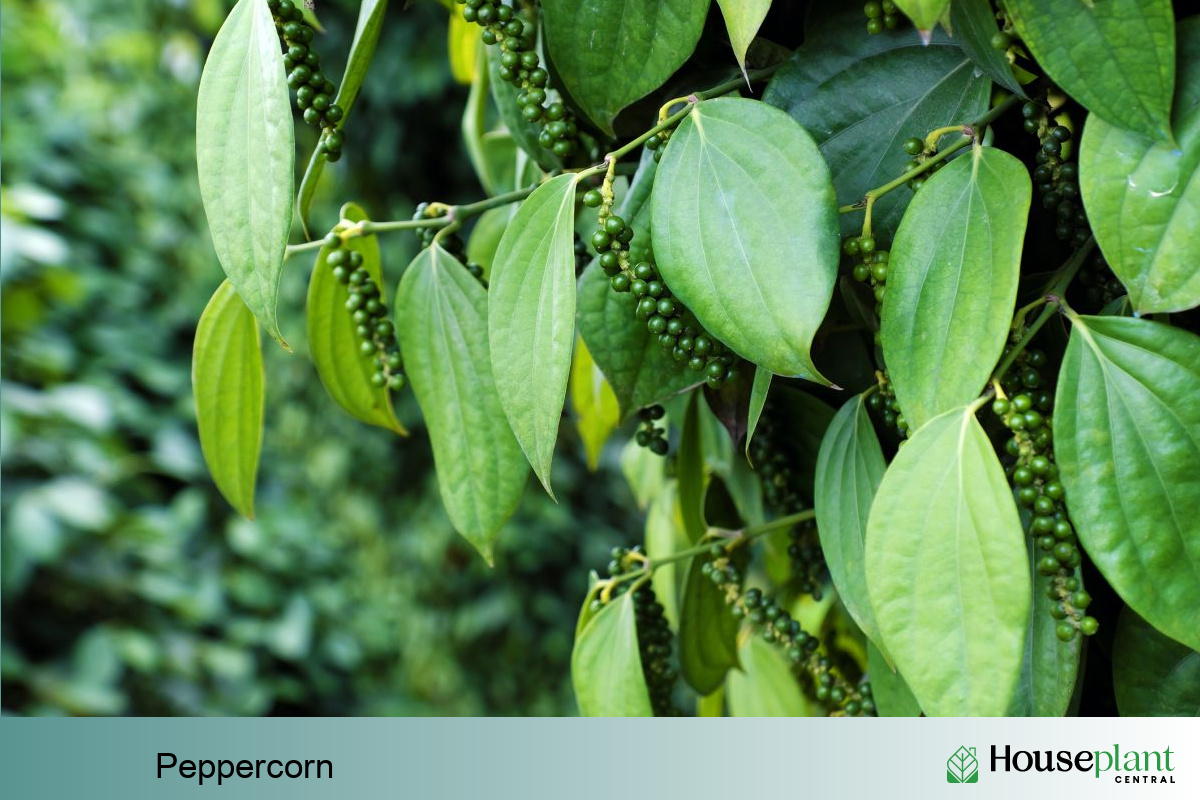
<point>926,36</point>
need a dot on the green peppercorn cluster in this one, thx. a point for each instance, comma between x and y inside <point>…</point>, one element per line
<point>452,243</point>
<point>780,491</point>
<point>881,16</point>
<point>869,266</point>
<point>653,630</point>
<point>520,66</point>
<point>1100,285</point>
<point>918,155</point>
<point>775,625</point>
<point>884,403</point>
<point>1027,413</point>
<point>376,334</point>
<point>677,330</point>
<point>1056,177</point>
<point>314,92</point>
<point>650,435</point>
<point>657,144</point>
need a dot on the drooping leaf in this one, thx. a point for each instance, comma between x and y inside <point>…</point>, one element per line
<point>745,230</point>
<point>609,53</point>
<point>952,282</point>
<point>362,49</point>
<point>1127,441</point>
<point>462,42</point>
<point>758,399</point>
<point>764,686</point>
<point>689,467</point>
<point>890,693</point>
<point>595,404</point>
<point>333,343</point>
<point>1142,195</point>
<point>708,646</point>
<point>1051,666</point>
<point>606,665</point>
<point>245,154</point>
<point>862,96</point>
<point>227,381</point>
<point>1116,57</point>
<point>664,537</point>
<point>973,26</point>
<point>849,469</point>
<point>947,569</point>
<point>742,20</point>
<point>644,472</point>
<point>531,319</point>
<point>441,317</point>
<point>1154,675</point>
<point>925,14</point>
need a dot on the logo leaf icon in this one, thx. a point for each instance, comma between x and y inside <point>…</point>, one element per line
<point>962,767</point>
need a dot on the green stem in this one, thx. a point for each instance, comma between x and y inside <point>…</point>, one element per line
<point>739,537</point>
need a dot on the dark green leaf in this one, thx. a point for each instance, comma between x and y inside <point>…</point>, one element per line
<point>758,399</point>
<point>1116,57</point>
<point>861,96</point>
<point>745,230</point>
<point>891,694</point>
<point>333,343</point>
<point>245,154</point>
<point>952,282</point>
<point>362,49</point>
<point>609,53</point>
<point>606,665</point>
<point>227,381</point>
<point>947,569</point>
<point>1154,675</point>
<point>849,468</point>
<point>1127,440</point>
<point>707,631</point>
<point>689,467</point>
<point>973,25</point>
<point>531,319</point>
<point>764,686</point>
<point>1142,196</point>
<point>441,316</point>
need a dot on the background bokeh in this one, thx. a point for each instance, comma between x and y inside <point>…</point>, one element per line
<point>129,586</point>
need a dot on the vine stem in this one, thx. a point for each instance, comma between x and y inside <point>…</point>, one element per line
<point>969,131</point>
<point>737,538</point>
<point>1053,299</point>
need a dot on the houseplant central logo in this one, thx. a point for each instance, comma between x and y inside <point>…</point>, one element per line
<point>962,767</point>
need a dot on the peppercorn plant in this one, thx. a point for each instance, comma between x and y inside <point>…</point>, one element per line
<point>902,312</point>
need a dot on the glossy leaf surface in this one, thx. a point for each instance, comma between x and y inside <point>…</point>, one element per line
<point>606,665</point>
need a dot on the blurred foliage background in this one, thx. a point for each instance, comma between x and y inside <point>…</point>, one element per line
<point>129,587</point>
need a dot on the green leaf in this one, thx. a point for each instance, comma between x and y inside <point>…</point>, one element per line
<point>245,154</point>
<point>441,314</point>
<point>947,569</point>
<point>952,282</point>
<point>758,399</point>
<point>891,694</point>
<point>764,686</point>
<point>609,53</point>
<point>362,49</point>
<point>595,404</point>
<point>645,473</point>
<point>925,14</point>
<point>1127,441</point>
<point>1142,196</point>
<point>689,467</point>
<point>708,646</point>
<point>742,20</point>
<point>1116,57</point>
<point>462,43</point>
<point>849,469</point>
<point>485,237</point>
<point>745,230</point>
<point>227,381</point>
<point>973,25</point>
<point>1154,675</point>
<point>665,537</point>
<point>862,96</point>
<point>333,343</point>
<point>531,319</point>
<point>606,665</point>
<point>1050,668</point>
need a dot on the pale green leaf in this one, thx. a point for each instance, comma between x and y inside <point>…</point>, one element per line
<point>531,319</point>
<point>664,536</point>
<point>745,230</point>
<point>485,237</point>
<point>742,20</point>
<point>245,154</point>
<point>596,411</point>
<point>1154,675</point>
<point>606,665</point>
<point>925,14</point>
<point>333,343</point>
<point>947,569</point>
<point>1116,57</point>
<point>1127,442</point>
<point>952,282</point>
<point>228,384</point>
<point>610,53</point>
<point>441,317</point>
<point>1142,196</point>
<point>462,42</point>
<point>764,686</point>
<point>645,473</point>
